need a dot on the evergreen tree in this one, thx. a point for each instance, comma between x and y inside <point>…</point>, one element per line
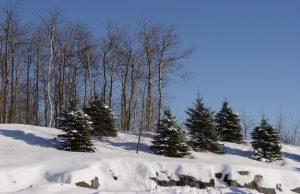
<point>200,123</point>
<point>228,125</point>
<point>102,117</point>
<point>265,142</point>
<point>170,140</point>
<point>77,127</point>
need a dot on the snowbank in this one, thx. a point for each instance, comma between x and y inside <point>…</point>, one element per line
<point>30,163</point>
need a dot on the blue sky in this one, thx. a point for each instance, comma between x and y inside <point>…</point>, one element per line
<point>247,50</point>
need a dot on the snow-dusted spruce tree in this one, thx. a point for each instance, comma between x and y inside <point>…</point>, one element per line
<point>170,140</point>
<point>228,124</point>
<point>77,127</point>
<point>265,142</point>
<point>200,123</point>
<point>102,117</point>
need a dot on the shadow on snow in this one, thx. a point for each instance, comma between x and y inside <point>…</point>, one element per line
<point>237,152</point>
<point>29,138</point>
<point>291,156</point>
<point>129,145</point>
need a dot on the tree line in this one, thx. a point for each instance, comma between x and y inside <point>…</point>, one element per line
<point>205,131</point>
<point>47,66</point>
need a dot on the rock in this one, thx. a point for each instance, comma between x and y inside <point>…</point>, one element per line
<point>268,190</point>
<point>94,184</point>
<point>278,187</point>
<point>244,173</point>
<point>296,190</point>
<point>254,185</point>
<point>218,175</point>
<point>164,183</point>
<point>231,183</point>
<point>83,184</point>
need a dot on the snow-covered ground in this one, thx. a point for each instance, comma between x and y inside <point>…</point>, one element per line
<point>30,164</point>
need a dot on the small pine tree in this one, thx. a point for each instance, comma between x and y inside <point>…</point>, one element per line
<point>170,140</point>
<point>265,142</point>
<point>228,125</point>
<point>200,123</point>
<point>102,117</point>
<point>77,127</point>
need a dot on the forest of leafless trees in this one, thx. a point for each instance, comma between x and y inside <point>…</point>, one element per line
<point>46,66</point>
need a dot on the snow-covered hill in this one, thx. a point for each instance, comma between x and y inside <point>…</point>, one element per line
<point>31,164</point>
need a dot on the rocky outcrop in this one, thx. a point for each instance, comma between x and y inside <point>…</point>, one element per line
<point>94,184</point>
<point>184,181</point>
<point>254,185</point>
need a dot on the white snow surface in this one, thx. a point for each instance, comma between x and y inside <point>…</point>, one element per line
<point>30,164</point>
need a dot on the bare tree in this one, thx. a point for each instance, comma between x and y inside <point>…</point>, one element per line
<point>287,137</point>
<point>51,23</point>
<point>7,29</point>
<point>63,63</point>
<point>38,42</point>
<point>280,123</point>
<point>246,123</point>
<point>107,44</point>
<point>12,38</point>
<point>163,56</point>
<point>296,131</point>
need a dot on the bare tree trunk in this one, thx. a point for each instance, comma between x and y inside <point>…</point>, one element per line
<point>37,88</point>
<point>27,92</point>
<point>16,94</point>
<point>2,84</point>
<point>85,87</point>
<point>11,111</point>
<point>49,76</point>
<point>149,97</point>
<point>110,91</point>
<point>131,98</point>
<point>91,95</point>
<point>3,64</point>
<point>60,84</point>
<point>104,79</point>
<point>160,98</point>
<point>141,125</point>
<point>46,106</point>
<point>124,116</point>
<point>5,93</point>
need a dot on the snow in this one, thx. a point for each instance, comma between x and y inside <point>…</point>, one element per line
<point>67,189</point>
<point>31,164</point>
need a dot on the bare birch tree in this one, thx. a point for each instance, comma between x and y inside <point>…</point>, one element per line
<point>51,23</point>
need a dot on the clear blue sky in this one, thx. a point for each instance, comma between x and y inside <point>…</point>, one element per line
<point>247,50</point>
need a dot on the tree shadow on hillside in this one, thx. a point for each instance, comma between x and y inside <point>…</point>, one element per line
<point>29,138</point>
<point>129,145</point>
<point>237,152</point>
<point>297,169</point>
<point>291,156</point>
